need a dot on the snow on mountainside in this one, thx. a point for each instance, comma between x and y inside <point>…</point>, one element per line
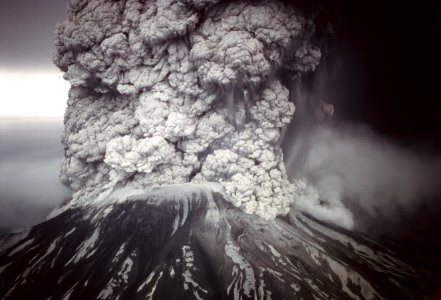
<point>186,242</point>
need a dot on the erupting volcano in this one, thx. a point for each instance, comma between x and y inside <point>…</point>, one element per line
<point>177,115</point>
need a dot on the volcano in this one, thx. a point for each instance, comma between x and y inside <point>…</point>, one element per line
<point>188,242</point>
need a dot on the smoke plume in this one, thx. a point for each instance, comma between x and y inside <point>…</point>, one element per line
<point>175,91</point>
<point>357,173</point>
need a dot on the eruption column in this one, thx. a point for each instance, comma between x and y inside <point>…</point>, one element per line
<point>153,87</point>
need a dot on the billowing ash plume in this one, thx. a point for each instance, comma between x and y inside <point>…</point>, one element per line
<point>174,91</point>
<point>352,167</point>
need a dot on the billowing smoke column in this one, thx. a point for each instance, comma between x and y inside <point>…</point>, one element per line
<point>175,91</point>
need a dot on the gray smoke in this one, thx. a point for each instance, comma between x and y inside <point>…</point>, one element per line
<point>354,169</point>
<point>352,176</point>
<point>176,91</point>
<point>173,91</point>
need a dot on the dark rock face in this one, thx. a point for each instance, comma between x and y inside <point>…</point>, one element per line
<point>197,246</point>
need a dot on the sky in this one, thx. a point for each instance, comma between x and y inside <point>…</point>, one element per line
<point>33,98</point>
<point>30,85</point>
<point>30,158</point>
<point>388,69</point>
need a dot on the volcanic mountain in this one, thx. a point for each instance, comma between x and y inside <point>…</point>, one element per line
<point>188,242</point>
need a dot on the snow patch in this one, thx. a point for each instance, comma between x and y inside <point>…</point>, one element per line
<point>21,247</point>
<point>188,257</point>
<point>70,232</point>
<point>86,247</point>
<point>244,273</point>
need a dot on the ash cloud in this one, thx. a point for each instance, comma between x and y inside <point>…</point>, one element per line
<point>171,91</point>
<point>351,176</point>
<point>357,179</point>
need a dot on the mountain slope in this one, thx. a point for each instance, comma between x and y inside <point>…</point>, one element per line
<point>189,243</point>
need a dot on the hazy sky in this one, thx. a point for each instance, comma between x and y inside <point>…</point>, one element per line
<point>32,89</point>
<point>30,85</point>
<point>26,32</point>
<point>30,159</point>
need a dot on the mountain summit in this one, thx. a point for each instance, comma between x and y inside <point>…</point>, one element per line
<point>188,242</point>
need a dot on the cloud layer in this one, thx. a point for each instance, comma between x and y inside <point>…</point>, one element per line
<point>30,158</point>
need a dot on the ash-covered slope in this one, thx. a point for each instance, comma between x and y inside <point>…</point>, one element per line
<point>187,242</point>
